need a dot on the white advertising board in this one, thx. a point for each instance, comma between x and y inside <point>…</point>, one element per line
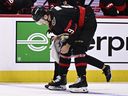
<point>110,44</point>
<point>111,41</point>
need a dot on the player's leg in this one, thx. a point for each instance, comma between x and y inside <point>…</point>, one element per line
<point>55,74</point>
<point>88,33</point>
<point>99,64</point>
<point>60,81</point>
<point>80,86</point>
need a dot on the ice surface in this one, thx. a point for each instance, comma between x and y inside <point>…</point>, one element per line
<point>95,89</point>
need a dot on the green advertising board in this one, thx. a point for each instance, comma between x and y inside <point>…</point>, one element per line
<point>32,45</point>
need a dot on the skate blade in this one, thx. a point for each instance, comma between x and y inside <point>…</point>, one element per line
<point>79,90</point>
<point>57,88</point>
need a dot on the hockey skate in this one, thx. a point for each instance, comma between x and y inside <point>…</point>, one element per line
<point>58,84</point>
<point>107,72</point>
<point>80,86</point>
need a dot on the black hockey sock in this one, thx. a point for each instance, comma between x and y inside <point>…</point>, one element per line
<point>81,70</point>
<point>60,70</point>
<point>80,66</point>
<point>63,70</point>
<point>64,64</point>
<point>56,70</point>
<point>94,62</point>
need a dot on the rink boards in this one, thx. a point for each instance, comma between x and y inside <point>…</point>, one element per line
<point>26,55</point>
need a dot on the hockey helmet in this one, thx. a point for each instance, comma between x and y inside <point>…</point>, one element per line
<point>38,12</point>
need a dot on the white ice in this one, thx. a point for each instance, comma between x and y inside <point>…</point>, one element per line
<point>95,89</point>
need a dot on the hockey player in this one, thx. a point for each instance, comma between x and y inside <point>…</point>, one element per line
<point>99,64</point>
<point>54,3</point>
<point>71,20</point>
<point>112,7</point>
<point>16,6</point>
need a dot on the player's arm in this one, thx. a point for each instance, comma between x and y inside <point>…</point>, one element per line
<point>73,35</point>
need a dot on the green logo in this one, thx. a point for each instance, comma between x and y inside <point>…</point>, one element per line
<point>32,44</point>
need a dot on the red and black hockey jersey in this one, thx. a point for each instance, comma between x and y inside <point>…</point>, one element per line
<point>69,19</point>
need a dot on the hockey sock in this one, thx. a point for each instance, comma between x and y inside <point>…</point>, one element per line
<point>64,65</point>
<point>94,62</point>
<point>56,70</point>
<point>80,66</point>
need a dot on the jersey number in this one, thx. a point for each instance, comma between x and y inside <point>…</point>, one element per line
<point>70,31</point>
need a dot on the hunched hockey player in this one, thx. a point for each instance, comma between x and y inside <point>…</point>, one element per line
<point>80,24</point>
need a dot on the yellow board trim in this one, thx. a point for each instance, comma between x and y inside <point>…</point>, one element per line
<point>46,76</point>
